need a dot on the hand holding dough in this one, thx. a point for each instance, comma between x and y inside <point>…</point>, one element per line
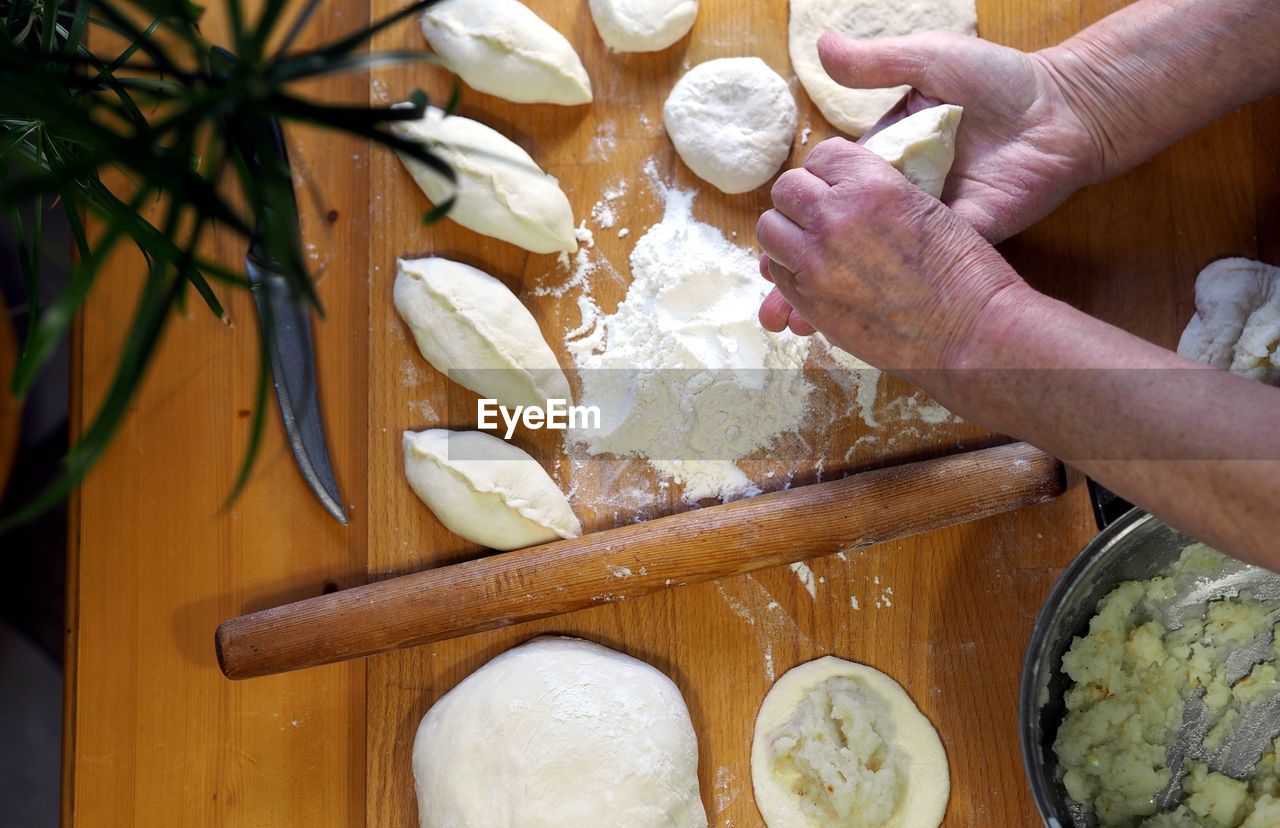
<point>921,146</point>
<point>502,48</point>
<point>857,110</point>
<point>841,745</point>
<point>501,191</point>
<point>486,490</point>
<point>474,330</point>
<point>559,733</point>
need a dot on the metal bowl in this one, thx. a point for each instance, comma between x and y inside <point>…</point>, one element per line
<point>1135,547</point>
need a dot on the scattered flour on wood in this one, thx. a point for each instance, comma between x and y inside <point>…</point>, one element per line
<point>885,599</point>
<point>805,575</point>
<point>604,213</point>
<point>423,410</point>
<point>726,791</point>
<point>410,374</point>
<point>769,622</point>
<point>861,377</point>
<point>735,606</point>
<point>604,142</point>
<point>920,407</point>
<point>682,372</point>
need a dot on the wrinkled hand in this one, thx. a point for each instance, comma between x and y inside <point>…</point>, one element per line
<point>883,269</point>
<point>1021,148</point>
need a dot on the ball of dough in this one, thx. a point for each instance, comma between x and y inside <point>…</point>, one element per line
<point>732,121</point>
<point>856,110</point>
<point>502,48</point>
<point>839,743</point>
<point>1237,321</point>
<point>500,190</point>
<point>921,146</point>
<point>486,490</point>
<point>642,25</point>
<point>473,329</point>
<point>559,733</point>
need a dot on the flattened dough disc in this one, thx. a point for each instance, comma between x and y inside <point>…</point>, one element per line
<point>925,785</point>
<point>856,110</point>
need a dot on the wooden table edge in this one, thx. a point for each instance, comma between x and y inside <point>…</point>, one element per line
<point>71,625</point>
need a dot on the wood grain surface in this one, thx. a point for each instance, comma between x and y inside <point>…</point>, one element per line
<point>156,735</point>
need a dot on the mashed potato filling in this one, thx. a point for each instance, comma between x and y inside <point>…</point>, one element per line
<point>1131,677</point>
<point>837,762</point>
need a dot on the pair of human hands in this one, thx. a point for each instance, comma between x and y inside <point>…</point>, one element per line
<point>881,268</point>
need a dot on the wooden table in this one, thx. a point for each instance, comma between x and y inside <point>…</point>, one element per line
<point>156,736</point>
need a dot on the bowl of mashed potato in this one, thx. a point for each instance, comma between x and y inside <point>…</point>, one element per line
<point>1142,620</point>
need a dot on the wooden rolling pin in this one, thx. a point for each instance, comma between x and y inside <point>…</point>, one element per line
<point>630,561</point>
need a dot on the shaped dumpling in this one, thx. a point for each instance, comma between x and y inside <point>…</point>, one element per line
<point>474,330</point>
<point>502,48</point>
<point>486,490</point>
<point>501,191</point>
<point>921,146</point>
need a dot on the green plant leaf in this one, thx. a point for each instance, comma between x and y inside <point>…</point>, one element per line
<point>144,331</point>
<point>69,115</point>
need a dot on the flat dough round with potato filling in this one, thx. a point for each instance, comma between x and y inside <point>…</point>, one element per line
<point>842,744</point>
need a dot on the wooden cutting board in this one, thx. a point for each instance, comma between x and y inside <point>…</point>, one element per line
<point>157,737</point>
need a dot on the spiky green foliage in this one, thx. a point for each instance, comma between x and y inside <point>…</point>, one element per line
<point>172,115</point>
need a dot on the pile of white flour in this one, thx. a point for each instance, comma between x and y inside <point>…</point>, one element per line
<point>682,372</point>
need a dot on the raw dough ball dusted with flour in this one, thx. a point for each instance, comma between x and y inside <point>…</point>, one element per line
<point>643,25</point>
<point>501,191</point>
<point>472,328</point>
<point>486,490</point>
<point>1237,320</point>
<point>732,121</point>
<point>921,146</point>
<point>559,733</point>
<point>502,48</point>
<point>842,744</point>
<point>856,110</point>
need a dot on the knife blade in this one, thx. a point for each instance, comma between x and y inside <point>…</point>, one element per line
<point>286,325</point>
<point>283,316</point>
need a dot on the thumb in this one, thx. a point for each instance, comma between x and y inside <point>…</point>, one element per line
<point>884,62</point>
